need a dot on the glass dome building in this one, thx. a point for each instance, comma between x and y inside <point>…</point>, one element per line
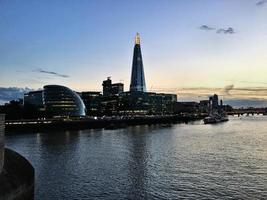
<point>60,101</point>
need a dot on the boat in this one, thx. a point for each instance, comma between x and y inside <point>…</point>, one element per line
<point>216,118</point>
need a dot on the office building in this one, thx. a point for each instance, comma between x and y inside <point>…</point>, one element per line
<point>204,106</point>
<point>34,98</point>
<point>60,101</point>
<point>117,88</point>
<point>138,83</point>
<point>147,103</point>
<point>111,89</point>
<point>92,101</point>
<point>214,101</point>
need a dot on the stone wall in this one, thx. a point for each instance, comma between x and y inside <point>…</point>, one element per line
<point>16,172</point>
<point>2,127</point>
<point>17,178</point>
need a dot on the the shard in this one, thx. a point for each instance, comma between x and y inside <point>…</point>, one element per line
<point>138,82</point>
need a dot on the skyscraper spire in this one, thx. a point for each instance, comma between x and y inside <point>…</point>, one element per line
<point>137,39</point>
<point>138,82</point>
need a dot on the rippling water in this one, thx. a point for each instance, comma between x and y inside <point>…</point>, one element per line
<point>183,161</point>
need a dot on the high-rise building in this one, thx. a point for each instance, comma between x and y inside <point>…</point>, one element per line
<point>138,82</point>
<point>111,89</point>
<point>214,100</point>
<point>107,87</point>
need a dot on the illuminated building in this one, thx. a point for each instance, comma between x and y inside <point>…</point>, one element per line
<point>60,101</point>
<point>138,83</point>
<point>111,89</point>
<point>91,101</point>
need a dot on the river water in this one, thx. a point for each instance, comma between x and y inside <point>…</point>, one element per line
<point>181,161</point>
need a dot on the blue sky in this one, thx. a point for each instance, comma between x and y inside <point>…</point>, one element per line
<point>90,40</point>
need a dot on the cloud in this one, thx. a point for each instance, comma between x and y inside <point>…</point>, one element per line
<point>51,73</point>
<point>261,3</point>
<point>12,93</point>
<point>230,30</point>
<point>228,88</point>
<point>250,82</point>
<point>206,28</point>
<point>203,92</point>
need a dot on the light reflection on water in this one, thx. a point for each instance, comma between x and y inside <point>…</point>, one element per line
<point>193,161</point>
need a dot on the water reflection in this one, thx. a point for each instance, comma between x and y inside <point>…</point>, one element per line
<point>137,169</point>
<point>150,162</point>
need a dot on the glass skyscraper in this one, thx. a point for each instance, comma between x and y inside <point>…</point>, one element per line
<point>138,83</point>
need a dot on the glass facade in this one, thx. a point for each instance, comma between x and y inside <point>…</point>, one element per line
<point>146,103</point>
<point>60,101</point>
<point>92,102</point>
<point>138,83</point>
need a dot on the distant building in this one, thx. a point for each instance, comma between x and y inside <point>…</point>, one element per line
<point>134,103</point>
<point>168,97</point>
<point>186,107</point>
<point>117,88</point>
<point>146,103</point>
<point>107,87</point>
<point>13,110</point>
<point>92,102</point>
<point>110,105</point>
<point>138,83</point>
<point>34,98</point>
<point>217,107</point>
<point>214,101</point>
<point>204,106</point>
<point>111,89</point>
<point>168,102</point>
<point>60,101</point>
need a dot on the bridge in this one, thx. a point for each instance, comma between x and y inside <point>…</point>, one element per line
<point>248,111</point>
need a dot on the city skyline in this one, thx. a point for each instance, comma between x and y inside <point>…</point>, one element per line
<point>186,49</point>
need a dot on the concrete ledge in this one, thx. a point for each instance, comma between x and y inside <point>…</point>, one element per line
<point>17,178</point>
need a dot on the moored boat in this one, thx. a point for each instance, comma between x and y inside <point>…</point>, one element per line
<point>215,118</point>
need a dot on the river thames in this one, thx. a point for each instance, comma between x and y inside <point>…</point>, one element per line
<point>179,161</point>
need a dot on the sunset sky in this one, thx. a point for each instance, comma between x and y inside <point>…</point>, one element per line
<point>190,47</point>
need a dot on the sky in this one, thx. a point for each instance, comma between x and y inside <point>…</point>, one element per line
<point>189,47</point>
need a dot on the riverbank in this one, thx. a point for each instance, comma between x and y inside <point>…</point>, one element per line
<point>94,122</point>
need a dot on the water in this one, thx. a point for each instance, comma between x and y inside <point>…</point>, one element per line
<point>183,161</point>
